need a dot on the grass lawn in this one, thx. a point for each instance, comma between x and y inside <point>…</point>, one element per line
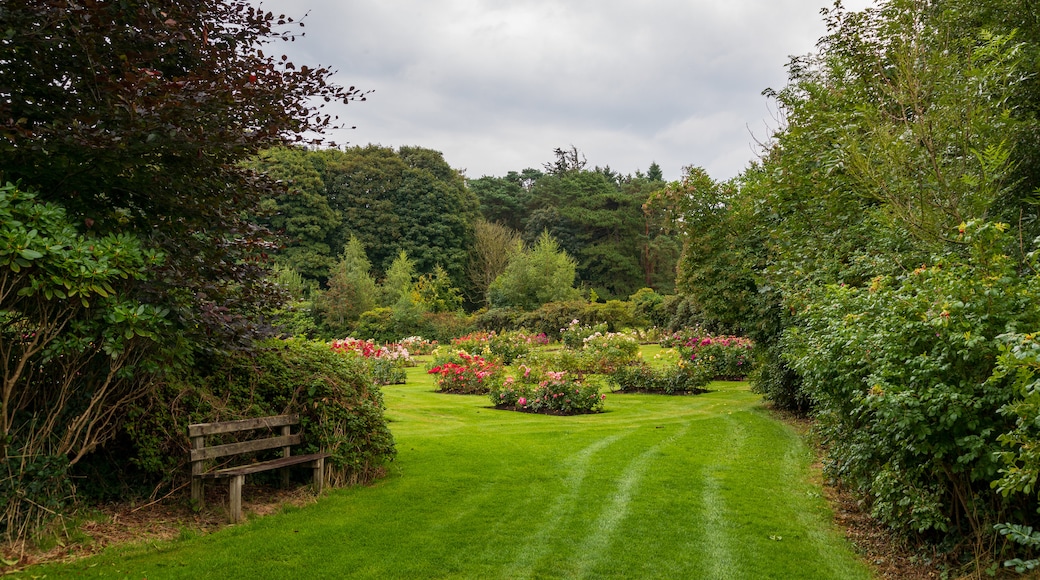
<point>705,486</point>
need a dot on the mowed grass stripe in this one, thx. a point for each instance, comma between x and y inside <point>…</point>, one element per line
<point>657,487</point>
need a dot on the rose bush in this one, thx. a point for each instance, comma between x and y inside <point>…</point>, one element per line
<point>464,373</point>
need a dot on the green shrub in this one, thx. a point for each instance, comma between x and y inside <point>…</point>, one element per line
<point>376,324</point>
<point>602,353</point>
<point>341,408</point>
<point>642,378</point>
<point>545,391</point>
<point>573,335</point>
<point>901,373</point>
<point>720,358</point>
<point>443,326</point>
<point>508,346</point>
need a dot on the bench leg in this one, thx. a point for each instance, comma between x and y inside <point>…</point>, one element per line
<point>197,493</point>
<point>319,474</point>
<point>235,498</point>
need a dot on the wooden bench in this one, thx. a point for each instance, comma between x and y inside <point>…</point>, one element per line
<point>200,454</point>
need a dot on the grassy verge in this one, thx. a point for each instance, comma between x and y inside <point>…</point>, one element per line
<point>704,486</point>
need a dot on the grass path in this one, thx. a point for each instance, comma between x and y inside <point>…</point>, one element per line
<point>707,486</point>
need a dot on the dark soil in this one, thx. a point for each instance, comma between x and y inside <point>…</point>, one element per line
<point>543,411</point>
<point>660,392</point>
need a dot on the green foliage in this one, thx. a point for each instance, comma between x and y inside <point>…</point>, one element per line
<point>301,214</point>
<point>545,273</point>
<point>376,324</point>
<point>77,346</point>
<point>900,374</point>
<point>351,290</point>
<point>493,246</point>
<point>409,200</point>
<point>436,293</point>
<point>596,215</point>
<point>1025,536</point>
<point>399,280</point>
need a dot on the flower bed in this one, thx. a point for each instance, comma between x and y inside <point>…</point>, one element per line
<point>387,363</point>
<point>466,374</point>
<point>682,379</point>
<point>548,392</point>
<point>419,346</point>
<point>721,358</point>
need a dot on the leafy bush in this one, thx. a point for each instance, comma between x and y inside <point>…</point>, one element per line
<point>602,353</point>
<point>508,346</point>
<point>575,333</point>
<point>682,378</point>
<point>376,324</point>
<point>902,375</point>
<point>466,374</point>
<point>78,345</point>
<point>442,326</point>
<point>554,392</point>
<point>720,358</point>
<point>341,408</point>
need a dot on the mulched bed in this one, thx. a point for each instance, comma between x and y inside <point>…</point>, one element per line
<point>553,412</point>
<point>660,392</point>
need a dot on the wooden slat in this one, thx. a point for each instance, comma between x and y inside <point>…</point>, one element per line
<point>200,429</point>
<point>244,447</point>
<point>264,466</point>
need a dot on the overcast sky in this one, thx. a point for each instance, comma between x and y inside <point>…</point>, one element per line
<point>496,85</point>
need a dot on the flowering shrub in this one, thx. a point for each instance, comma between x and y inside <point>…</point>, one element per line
<point>683,378</point>
<point>553,392</point>
<point>676,339</point>
<point>464,373</point>
<point>575,334</point>
<point>386,363</point>
<point>508,346</point>
<point>719,357</point>
<point>419,346</point>
<point>473,342</point>
<point>602,353</point>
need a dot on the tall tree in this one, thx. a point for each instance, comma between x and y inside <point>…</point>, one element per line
<point>308,227</point>
<point>351,289</point>
<point>493,246</point>
<point>409,200</point>
<point>545,273</point>
<point>135,116</point>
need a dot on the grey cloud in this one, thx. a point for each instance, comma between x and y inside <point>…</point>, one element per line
<point>497,85</point>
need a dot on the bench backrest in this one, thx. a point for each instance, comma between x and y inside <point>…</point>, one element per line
<point>199,431</point>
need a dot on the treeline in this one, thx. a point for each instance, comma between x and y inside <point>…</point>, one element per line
<point>882,254</point>
<point>383,243</point>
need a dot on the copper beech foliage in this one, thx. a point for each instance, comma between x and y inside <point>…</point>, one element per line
<point>135,116</point>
